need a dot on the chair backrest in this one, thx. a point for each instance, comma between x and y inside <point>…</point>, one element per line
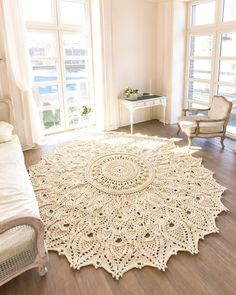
<point>220,108</point>
<point>6,111</point>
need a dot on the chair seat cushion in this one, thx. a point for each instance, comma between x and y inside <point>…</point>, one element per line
<point>192,118</point>
<point>189,127</point>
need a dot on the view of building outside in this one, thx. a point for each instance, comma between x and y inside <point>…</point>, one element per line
<point>60,51</point>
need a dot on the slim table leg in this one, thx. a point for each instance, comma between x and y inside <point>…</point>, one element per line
<point>120,109</point>
<point>131,122</point>
<point>164,114</point>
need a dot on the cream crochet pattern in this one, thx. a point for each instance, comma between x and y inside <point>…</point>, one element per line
<point>119,201</point>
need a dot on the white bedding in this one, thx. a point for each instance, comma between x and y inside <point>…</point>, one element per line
<point>17,197</point>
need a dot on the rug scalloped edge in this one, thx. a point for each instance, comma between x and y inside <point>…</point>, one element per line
<point>164,268</point>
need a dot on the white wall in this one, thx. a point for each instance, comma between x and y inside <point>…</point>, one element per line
<point>164,15</point>
<point>133,34</point>
<point>178,58</point>
<point>171,34</point>
<point>147,43</point>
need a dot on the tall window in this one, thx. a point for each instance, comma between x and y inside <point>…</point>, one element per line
<point>211,54</point>
<point>59,42</point>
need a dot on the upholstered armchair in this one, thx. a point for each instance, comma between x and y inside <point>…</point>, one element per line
<point>213,124</point>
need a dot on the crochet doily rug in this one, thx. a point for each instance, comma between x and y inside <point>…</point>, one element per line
<point>122,201</point>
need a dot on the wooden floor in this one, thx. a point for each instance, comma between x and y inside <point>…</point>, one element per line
<point>211,272</point>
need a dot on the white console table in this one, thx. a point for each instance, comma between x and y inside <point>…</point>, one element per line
<point>143,102</point>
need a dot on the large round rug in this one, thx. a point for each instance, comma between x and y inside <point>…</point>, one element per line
<point>122,202</point>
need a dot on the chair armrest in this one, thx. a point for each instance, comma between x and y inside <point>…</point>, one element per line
<point>41,256</point>
<point>210,120</point>
<point>194,110</point>
<point>38,226</point>
<point>198,121</point>
<point>35,222</point>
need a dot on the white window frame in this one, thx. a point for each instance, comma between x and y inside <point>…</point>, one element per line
<point>57,28</point>
<point>216,29</point>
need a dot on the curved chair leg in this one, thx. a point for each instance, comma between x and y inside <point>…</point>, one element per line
<point>178,129</point>
<point>222,142</point>
<point>190,139</point>
<point>42,270</point>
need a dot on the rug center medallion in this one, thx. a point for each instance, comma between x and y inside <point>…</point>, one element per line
<point>119,173</point>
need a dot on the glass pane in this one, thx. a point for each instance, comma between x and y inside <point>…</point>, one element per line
<point>227,71</point>
<point>37,11</point>
<point>77,116</point>
<point>76,69</point>
<point>72,92</point>
<point>229,10</point>
<point>51,119</point>
<point>196,105</point>
<point>75,91</point>
<point>47,100</point>
<point>201,45</point>
<point>46,96</point>
<point>199,91</point>
<point>229,93</point>
<point>231,127</point>
<point>73,114</point>
<point>75,45</point>
<point>203,14</point>
<point>44,70</point>
<point>228,44</point>
<point>200,69</point>
<point>73,12</point>
<point>41,44</point>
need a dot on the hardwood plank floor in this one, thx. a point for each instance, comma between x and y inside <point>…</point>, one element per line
<point>211,272</point>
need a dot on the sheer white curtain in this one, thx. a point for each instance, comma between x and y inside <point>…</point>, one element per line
<point>20,70</point>
<point>106,103</point>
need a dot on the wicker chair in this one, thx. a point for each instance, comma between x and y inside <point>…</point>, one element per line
<point>206,126</point>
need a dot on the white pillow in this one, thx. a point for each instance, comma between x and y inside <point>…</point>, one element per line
<point>5,131</point>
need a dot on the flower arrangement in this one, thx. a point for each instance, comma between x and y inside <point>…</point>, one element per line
<point>130,93</point>
<point>85,110</point>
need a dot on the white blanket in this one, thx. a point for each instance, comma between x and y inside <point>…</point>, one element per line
<point>17,197</point>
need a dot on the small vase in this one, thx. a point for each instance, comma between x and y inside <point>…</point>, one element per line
<point>133,96</point>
